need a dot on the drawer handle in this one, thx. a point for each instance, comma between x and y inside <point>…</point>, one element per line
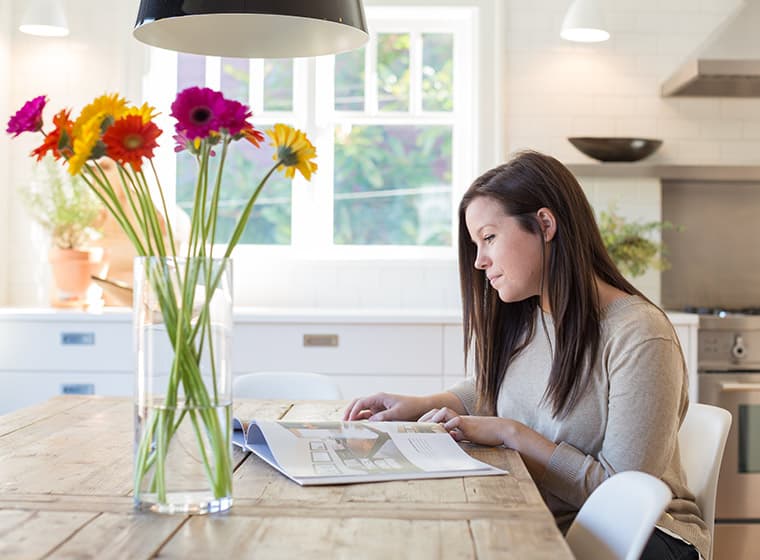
<point>77,338</point>
<point>739,387</point>
<point>78,389</point>
<point>320,340</point>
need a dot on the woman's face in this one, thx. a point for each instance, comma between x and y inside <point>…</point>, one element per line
<point>509,255</point>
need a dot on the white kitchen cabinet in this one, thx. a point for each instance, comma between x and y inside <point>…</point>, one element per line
<point>46,352</point>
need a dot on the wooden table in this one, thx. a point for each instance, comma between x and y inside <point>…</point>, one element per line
<point>66,485</point>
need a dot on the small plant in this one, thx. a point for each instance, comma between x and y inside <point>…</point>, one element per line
<point>630,244</point>
<point>63,205</point>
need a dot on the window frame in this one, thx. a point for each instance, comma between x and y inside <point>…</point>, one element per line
<point>313,111</point>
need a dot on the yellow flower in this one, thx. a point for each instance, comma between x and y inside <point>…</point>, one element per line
<point>294,150</point>
<point>109,105</point>
<point>84,143</point>
<point>145,111</point>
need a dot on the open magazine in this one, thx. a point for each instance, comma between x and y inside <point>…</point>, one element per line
<point>348,452</point>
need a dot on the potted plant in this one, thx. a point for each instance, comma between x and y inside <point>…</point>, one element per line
<point>66,208</point>
<point>630,244</point>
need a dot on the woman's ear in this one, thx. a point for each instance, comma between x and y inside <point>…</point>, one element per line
<point>548,223</point>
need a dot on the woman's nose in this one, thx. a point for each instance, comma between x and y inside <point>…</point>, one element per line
<point>480,261</point>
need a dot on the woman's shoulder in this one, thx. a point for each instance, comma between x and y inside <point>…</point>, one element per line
<point>635,318</point>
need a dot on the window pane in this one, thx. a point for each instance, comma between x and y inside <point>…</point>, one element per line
<point>393,71</point>
<point>191,70</point>
<point>269,223</point>
<point>393,185</point>
<point>235,79</point>
<point>349,81</point>
<point>437,63</point>
<point>278,84</point>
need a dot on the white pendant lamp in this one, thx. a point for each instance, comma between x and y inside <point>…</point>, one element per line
<point>44,18</point>
<point>584,23</point>
<point>253,28</point>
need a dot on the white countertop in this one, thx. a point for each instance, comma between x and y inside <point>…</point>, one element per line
<point>282,315</point>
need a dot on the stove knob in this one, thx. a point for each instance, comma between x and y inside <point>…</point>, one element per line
<point>738,351</point>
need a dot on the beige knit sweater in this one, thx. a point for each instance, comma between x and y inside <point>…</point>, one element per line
<point>628,418</point>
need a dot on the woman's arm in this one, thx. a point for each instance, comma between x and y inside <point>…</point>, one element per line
<point>534,448</point>
<point>387,406</point>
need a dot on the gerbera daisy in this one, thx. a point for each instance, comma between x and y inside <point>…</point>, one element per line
<point>294,150</point>
<point>28,118</point>
<point>108,105</point>
<point>198,112</point>
<point>85,143</point>
<point>252,135</point>
<point>128,140</point>
<point>58,139</point>
<point>234,116</point>
<point>146,112</point>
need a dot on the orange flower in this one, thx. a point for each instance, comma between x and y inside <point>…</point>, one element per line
<point>129,140</point>
<point>252,135</point>
<point>59,139</point>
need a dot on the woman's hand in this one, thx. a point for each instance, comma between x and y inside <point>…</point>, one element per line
<point>534,448</point>
<point>386,406</point>
<point>483,430</point>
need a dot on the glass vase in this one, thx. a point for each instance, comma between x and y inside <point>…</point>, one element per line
<point>183,400</point>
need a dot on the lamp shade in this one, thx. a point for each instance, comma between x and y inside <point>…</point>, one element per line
<point>45,18</point>
<point>584,23</point>
<point>252,28</point>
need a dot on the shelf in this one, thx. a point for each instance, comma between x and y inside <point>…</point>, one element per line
<point>733,173</point>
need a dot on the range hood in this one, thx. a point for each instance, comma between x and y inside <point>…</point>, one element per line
<point>727,64</point>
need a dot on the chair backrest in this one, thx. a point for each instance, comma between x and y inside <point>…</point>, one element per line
<point>618,517</point>
<point>701,439</point>
<point>286,385</point>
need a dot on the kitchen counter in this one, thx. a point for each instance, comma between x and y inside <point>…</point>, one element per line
<point>282,315</point>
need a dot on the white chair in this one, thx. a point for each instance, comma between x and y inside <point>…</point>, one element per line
<point>286,385</point>
<point>702,439</point>
<point>618,518</point>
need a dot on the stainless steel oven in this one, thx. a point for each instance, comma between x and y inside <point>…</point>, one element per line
<point>729,377</point>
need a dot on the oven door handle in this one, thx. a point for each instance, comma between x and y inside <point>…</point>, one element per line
<point>736,386</point>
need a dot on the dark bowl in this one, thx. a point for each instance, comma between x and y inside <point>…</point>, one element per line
<point>616,149</point>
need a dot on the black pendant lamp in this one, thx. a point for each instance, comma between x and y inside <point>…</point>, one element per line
<point>252,28</point>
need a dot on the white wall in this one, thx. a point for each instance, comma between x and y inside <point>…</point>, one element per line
<point>98,56</point>
<point>535,90</point>
<point>5,109</point>
<point>558,89</point>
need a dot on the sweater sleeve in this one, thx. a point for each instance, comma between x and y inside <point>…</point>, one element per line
<point>465,390</point>
<point>646,391</point>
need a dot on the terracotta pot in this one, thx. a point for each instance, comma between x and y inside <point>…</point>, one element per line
<point>72,270</point>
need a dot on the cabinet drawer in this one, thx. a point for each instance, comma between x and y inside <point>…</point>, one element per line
<point>71,346</point>
<point>27,388</point>
<point>338,348</point>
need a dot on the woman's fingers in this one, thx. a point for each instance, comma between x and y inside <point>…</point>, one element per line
<point>349,412</point>
<point>427,417</point>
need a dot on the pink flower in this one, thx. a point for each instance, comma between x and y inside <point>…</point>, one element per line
<point>198,112</point>
<point>28,118</point>
<point>234,117</point>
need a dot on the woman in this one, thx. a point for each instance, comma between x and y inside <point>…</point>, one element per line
<point>576,369</point>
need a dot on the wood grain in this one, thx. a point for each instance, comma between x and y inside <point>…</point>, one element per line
<point>66,484</point>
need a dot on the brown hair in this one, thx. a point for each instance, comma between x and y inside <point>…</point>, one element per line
<point>499,330</point>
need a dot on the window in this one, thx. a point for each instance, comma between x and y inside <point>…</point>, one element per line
<point>393,126</point>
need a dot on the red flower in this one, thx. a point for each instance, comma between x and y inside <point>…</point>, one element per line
<point>129,140</point>
<point>28,118</point>
<point>252,135</point>
<point>59,139</point>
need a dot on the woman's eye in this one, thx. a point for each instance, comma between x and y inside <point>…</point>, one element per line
<point>489,238</point>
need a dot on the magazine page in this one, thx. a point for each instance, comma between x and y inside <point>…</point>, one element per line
<point>339,452</point>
